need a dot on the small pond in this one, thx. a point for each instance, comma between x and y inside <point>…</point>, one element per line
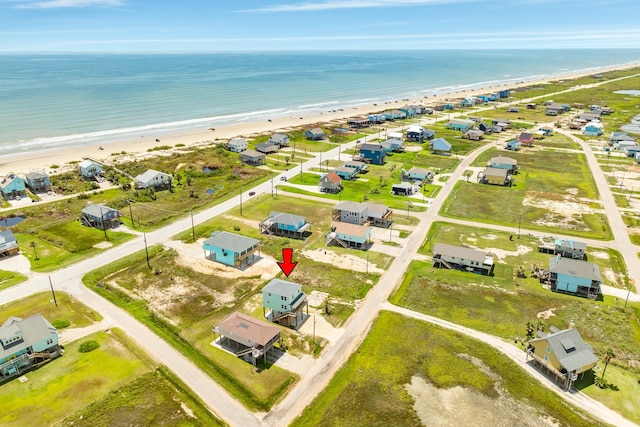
<point>634,92</point>
<point>11,221</point>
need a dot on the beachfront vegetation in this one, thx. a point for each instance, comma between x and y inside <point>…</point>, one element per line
<point>401,370</point>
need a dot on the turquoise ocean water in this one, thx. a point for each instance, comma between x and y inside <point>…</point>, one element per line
<point>59,100</point>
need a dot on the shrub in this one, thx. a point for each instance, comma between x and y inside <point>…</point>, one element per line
<point>88,346</point>
<point>61,323</point>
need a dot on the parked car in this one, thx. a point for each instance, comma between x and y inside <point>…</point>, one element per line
<point>252,193</point>
<point>283,178</point>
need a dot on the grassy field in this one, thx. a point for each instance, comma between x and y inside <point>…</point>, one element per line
<point>371,389</point>
<point>156,398</point>
<point>623,394</point>
<point>540,197</point>
<point>10,278</point>
<point>66,384</point>
<point>497,305</point>
<point>68,308</point>
<point>185,319</point>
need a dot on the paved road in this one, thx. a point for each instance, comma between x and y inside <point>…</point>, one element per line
<point>359,323</point>
<point>227,408</point>
<point>621,239</point>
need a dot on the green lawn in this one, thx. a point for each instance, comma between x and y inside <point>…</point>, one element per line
<point>540,190</point>
<point>371,388</point>
<point>156,398</point>
<point>10,278</point>
<point>66,384</point>
<point>68,308</point>
<point>623,394</point>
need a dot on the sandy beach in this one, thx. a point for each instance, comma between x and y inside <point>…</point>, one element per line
<point>43,160</point>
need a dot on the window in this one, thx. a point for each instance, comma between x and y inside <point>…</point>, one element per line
<point>548,349</point>
<point>546,358</point>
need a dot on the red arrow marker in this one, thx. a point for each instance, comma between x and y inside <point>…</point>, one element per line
<point>287,266</point>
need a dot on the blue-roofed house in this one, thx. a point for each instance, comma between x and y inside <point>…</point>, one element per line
<point>514,145</point>
<point>593,128</point>
<point>374,153</point>
<point>575,277</point>
<point>467,102</point>
<point>461,124</point>
<point>391,115</point>
<point>153,179</point>
<point>393,144</point>
<point>418,174</point>
<point>504,93</point>
<point>13,187</point>
<point>25,343</point>
<point>90,169</point>
<point>349,235</point>
<point>315,134</point>
<point>285,302</point>
<point>287,225</point>
<point>280,139</point>
<point>441,146</point>
<point>502,162</point>
<point>563,353</point>
<point>409,111</point>
<point>346,172</point>
<point>231,249</point>
<point>388,147</point>
<point>8,244</point>
<point>100,216</point>
<point>360,167</point>
<point>377,118</point>
<point>38,182</point>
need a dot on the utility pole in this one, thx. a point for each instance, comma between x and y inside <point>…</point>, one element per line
<point>146,250</point>
<point>272,186</point>
<point>56,302</point>
<point>241,189</point>
<point>300,169</point>
<point>133,224</point>
<point>519,223</point>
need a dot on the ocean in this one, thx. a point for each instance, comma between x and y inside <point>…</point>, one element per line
<point>60,100</point>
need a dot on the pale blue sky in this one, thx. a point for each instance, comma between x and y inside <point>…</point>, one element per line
<point>223,25</point>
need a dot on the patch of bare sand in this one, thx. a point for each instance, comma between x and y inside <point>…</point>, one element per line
<point>489,237</point>
<point>564,212</point>
<point>463,406</point>
<point>347,261</point>
<point>192,256</point>
<point>599,254</point>
<point>103,245</point>
<point>413,148</point>
<point>547,314</point>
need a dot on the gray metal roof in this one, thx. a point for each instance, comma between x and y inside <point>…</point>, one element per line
<point>232,242</point>
<point>33,329</point>
<point>149,175</point>
<point>351,206</point>
<point>459,252</point>
<point>504,160</point>
<point>497,172</point>
<point>36,175</point>
<point>371,147</point>
<point>575,268</point>
<point>286,218</point>
<point>571,244</point>
<point>572,352</point>
<point>419,171</point>
<point>282,287</point>
<point>6,236</point>
<point>252,154</point>
<point>98,210</point>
